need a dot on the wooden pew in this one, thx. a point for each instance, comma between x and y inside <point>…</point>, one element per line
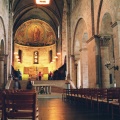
<point>1,104</point>
<point>109,98</point>
<point>116,107</point>
<point>64,94</point>
<point>99,99</point>
<point>20,106</point>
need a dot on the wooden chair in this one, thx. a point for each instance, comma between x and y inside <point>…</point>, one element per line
<point>97,99</point>
<point>67,94</point>
<point>108,99</point>
<point>116,107</point>
<point>1,104</point>
<point>93,98</point>
<point>20,106</point>
<point>64,94</point>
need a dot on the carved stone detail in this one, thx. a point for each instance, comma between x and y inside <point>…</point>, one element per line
<point>104,41</point>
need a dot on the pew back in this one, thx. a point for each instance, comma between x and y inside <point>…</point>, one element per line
<point>20,106</point>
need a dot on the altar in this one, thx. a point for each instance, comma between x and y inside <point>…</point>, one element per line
<point>33,71</point>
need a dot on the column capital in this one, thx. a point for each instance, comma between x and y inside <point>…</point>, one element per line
<point>104,40</point>
<point>2,58</point>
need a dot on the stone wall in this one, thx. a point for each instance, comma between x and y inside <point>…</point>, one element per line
<point>92,12</point>
<point>4,39</point>
<point>28,60</point>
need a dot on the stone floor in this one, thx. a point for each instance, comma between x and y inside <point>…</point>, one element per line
<point>56,109</point>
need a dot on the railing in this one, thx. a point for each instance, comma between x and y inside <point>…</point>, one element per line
<point>42,88</point>
<point>104,100</point>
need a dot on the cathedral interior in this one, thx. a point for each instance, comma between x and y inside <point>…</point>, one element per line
<point>75,40</point>
<point>84,35</point>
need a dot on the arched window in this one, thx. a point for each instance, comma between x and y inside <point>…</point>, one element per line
<point>20,56</point>
<point>35,57</point>
<point>50,56</point>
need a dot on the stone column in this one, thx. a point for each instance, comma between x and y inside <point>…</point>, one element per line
<point>10,39</point>
<point>64,32</point>
<point>6,67</point>
<point>116,38</point>
<point>68,42</point>
<point>1,69</point>
<point>105,56</point>
<point>76,65</point>
<point>72,68</point>
<point>116,28</point>
<point>98,63</point>
<point>84,67</point>
<point>58,49</point>
<point>94,62</point>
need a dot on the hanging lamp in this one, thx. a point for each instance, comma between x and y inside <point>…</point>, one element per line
<point>42,2</point>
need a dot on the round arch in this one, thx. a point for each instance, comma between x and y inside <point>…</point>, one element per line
<point>2,51</point>
<point>107,50</point>
<point>80,53</point>
<point>2,37</point>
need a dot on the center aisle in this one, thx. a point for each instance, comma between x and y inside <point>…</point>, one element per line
<point>56,109</point>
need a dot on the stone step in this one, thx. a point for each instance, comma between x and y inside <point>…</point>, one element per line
<point>52,95</point>
<point>57,86</point>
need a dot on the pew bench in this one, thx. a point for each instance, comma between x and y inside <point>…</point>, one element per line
<point>20,106</point>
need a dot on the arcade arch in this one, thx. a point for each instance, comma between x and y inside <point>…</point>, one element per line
<point>80,55</point>
<point>2,51</point>
<point>107,50</point>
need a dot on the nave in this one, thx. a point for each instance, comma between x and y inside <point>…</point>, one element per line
<point>57,109</point>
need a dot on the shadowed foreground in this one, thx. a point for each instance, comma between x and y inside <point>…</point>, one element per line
<point>56,109</point>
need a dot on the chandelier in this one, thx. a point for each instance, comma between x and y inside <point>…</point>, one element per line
<point>43,2</point>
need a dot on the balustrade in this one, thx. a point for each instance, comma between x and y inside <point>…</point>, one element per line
<point>45,87</point>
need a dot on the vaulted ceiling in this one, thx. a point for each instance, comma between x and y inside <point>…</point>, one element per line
<point>24,10</point>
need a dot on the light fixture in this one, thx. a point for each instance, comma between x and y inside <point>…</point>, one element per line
<point>53,60</point>
<point>18,60</point>
<point>15,53</point>
<point>42,2</point>
<point>56,57</point>
<point>109,66</point>
<point>58,53</point>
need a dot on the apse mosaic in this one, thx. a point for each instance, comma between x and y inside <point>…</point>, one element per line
<point>35,33</point>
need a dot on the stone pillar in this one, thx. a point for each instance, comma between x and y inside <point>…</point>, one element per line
<point>6,69</point>
<point>116,28</point>
<point>10,40</point>
<point>105,56</point>
<point>76,65</point>
<point>64,32</point>
<point>84,67</point>
<point>58,49</point>
<point>94,62</point>
<point>72,68</point>
<point>1,69</point>
<point>116,38</point>
<point>98,63</point>
<point>68,43</point>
